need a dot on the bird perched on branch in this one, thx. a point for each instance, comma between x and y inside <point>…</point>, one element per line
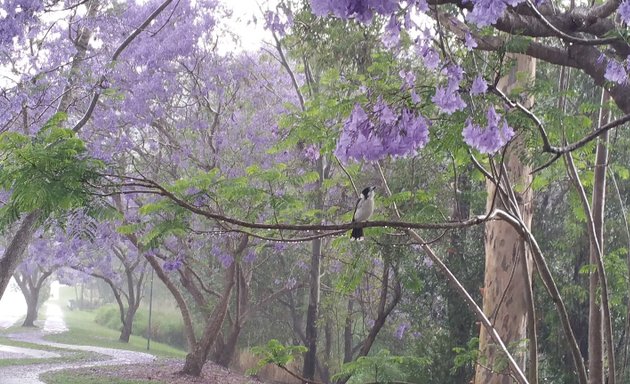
<point>362,211</point>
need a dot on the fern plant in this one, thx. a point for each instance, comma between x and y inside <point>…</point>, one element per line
<point>381,368</point>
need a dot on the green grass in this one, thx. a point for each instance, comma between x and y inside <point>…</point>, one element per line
<point>83,330</point>
<point>80,377</point>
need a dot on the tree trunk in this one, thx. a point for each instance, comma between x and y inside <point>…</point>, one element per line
<point>196,359</point>
<point>31,286</point>
<point>312,314</point>
<point>32,301</point>
<point>347,332</point>
<point>15,250</point>
<point>225,356</point>
<point>508,272</point>
<point>596,324</point>
<point>127,328</point>
<point>384,308</point>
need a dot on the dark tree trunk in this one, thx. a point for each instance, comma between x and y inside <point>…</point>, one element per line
<point>32,302</point>
<point>125,333</point>
<point>347,333</point>
<point>312,314</point>
<point>15,250</point>
<point>196,359</point>
<point>384,309</point>
<point>31,287</point>
<point>308,370</point>
<point>225,356</point>
<point>596,319</point>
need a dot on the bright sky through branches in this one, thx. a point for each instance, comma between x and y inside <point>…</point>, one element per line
<point>246,23</point>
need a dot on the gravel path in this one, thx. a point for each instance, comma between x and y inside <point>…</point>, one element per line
<point>29,374</point>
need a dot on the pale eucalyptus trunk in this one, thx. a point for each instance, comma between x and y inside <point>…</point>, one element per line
<point>507,299</point>
<point>596,323</point>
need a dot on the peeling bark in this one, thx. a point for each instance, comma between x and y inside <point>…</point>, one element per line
<point>508,270</point>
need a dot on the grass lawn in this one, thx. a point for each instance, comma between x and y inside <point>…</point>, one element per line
<point>83,330</point>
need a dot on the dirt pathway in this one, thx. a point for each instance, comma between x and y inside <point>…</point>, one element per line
<point>29,374</point>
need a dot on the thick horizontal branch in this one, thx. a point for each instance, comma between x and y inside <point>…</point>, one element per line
<point>160,190</point>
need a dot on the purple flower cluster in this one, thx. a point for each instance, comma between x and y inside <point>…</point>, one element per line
<point>391,36</point>
<point>362,10</point>
<point>479,86</point>
<point>223,257</point>
<point>400,331</point>
<point>311,153</point>
<point>250,257</point>
<point>487,12</point>
<point>278,23</point>
<point>424,49</point>
<point>624,11</point>
<point>173,265</point>
<point>448,98</point>
<point>616,71</point>
<point>18,14</point>
<point>490,138</point>
<point>470,42</point>
<point>371,139</point>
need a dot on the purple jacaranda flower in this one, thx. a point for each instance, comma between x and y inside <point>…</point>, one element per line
<point>250,257</point>
<point>408,78</point>
<point>448,99</point>
<point>383,134</point>
<point>172,265</point>
<point>455,74</point>
<point>384,112</point>
<point>223,257</point>
<point>414,97</point>
<point>430,57</point>
<point>490,138</point>
<point>624,11</point>
<point>469,42</point>
<point>479,86</point>
<point>391,36</point>
<point>487,12</point>
<point>311,153</point>
<point>400,331</point>
<point>616,72</point>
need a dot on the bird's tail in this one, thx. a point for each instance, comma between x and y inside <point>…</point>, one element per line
<point>357,234</point>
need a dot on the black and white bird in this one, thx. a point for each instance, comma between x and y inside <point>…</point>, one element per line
<point>362,211</point>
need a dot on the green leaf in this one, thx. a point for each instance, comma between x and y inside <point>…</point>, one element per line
<point>51,172</point>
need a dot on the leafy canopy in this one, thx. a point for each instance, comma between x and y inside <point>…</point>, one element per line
<point>50,171</point>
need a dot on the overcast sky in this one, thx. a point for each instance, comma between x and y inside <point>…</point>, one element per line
<point>251,34</point>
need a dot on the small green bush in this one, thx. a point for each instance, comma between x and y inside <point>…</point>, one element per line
<point>166,327</point>
<point>108,316</point>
